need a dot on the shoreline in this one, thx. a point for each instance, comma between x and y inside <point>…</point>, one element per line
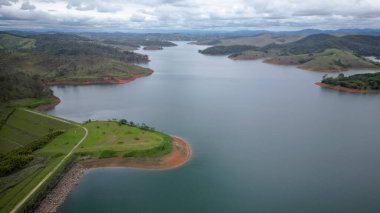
<point>327,70</point>
<point>49,106</point>
<point>179,156</point>
<point>105,80</point>
<point>56,100</point>
<point>347,90</point>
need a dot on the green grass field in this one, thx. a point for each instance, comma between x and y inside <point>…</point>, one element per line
<point>105,139</point>
<point>109,139</point>
<point>23,127</point>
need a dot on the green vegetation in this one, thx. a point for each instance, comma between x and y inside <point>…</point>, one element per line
<point>61,57</point>
<point>329,60</point>
<point>248,55</point>
<point>121,138</point>
<point>368,81</point>
<point>27,102</point>
<point>32,145</point>
<point>19,85</point>
<point>23,127</point>
<point>18,158</point>
<point>359,44</point>
<point>11,42</point>
<point>333,59</point>
<point>226,50</point>
<point>316,52</point>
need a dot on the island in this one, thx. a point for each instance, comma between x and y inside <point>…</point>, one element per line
<point>359,83</point>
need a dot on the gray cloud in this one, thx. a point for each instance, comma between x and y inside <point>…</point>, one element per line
<point>192,14</point>
<point>7,2</point>
<point>27,6</point>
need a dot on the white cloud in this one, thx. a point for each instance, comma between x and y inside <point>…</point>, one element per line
<point>199,14</point>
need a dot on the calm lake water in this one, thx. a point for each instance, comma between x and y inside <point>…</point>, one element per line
<point>264,138</point>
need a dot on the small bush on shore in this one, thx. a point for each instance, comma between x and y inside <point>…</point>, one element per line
<point>107,154</point>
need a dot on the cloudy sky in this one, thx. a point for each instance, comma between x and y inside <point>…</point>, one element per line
<point>124,15</point>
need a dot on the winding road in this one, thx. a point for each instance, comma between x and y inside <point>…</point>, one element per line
<point>23,201</point>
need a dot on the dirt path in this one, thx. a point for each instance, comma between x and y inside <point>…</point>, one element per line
<point>26,198</point>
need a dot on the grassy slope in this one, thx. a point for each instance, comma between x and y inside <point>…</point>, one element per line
<point>108,136</point>
<point>359,44</point>
<point>105,139</point>
<point>259,40</point>
<point>22,127</point>
<point>338,60</point>
<point>8,41</point>
<point>329,60</point>
<point>70,57</point>
<point>316,52</point>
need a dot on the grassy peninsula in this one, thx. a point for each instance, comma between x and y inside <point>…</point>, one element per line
<point>359,83</point>
<point>33,145</point>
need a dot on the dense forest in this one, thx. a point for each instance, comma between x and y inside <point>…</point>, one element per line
<point>368,81</point>
<point>20,85</point>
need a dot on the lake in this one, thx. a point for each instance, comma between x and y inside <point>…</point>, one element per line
<point>264,139</point>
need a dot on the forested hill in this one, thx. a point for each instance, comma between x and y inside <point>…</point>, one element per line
<point>60,57</point>
<point>319,52</point>
<point>364,45</point>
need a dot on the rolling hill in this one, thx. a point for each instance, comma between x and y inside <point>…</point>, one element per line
<point>26,62</point>
<point>12,42</point>
<point>320,52</point>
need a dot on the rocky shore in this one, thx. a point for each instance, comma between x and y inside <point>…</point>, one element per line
<point>58,195</point>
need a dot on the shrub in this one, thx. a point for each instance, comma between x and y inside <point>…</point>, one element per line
<point>107,154</point>
<point>18,158</point>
